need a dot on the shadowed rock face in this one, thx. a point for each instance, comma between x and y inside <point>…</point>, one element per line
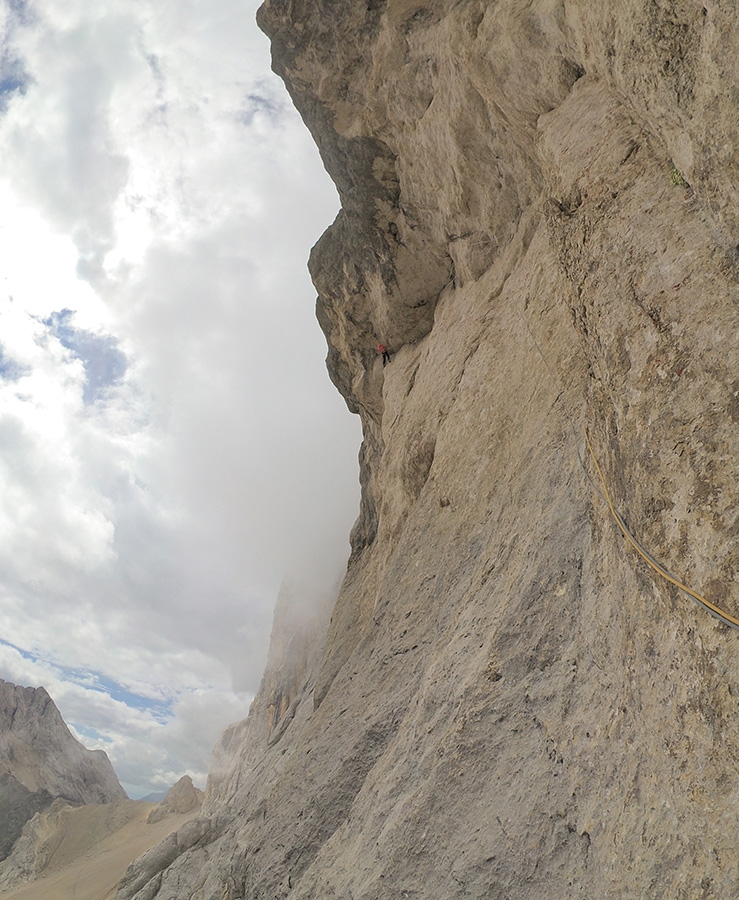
<point>40,761</point>
<point>540,222</point>
<point>17,806</point>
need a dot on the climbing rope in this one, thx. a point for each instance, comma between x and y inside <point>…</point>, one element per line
<point>714,610</point>
<point>711,608</point>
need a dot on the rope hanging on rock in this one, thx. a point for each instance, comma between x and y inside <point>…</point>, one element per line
<point>714,610</point>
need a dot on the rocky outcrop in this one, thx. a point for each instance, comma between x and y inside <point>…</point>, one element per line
<point>41,761</point>
<point>540,222</point>
<point>183,797</point>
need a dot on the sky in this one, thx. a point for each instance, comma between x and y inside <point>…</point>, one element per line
<point>171,448</point>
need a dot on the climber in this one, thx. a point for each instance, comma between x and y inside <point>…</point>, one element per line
<point>382,350</point>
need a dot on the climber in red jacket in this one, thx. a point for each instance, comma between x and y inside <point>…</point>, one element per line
<point>382,350</point>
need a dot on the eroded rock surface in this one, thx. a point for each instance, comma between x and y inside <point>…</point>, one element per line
<point>540,222</point>
<point>40,760</point>
<point>182,797</point>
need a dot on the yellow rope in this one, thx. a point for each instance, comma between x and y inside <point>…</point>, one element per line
<point>714,610</point>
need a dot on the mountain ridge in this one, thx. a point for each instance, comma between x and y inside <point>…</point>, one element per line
<point>40,761</point>
<point>77,841</point>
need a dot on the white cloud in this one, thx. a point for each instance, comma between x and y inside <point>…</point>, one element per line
<point>150,744</point>
<point>172,448</point>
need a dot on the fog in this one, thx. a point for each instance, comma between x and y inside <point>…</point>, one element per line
<point>170,445</point>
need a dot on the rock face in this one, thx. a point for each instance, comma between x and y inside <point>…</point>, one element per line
<point>17,806</point>
<point>41,761</point>
<point>182,797</point>
<point>540,220</point>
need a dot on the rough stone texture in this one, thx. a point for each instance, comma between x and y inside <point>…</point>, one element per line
<point>40,761</point>
<point>17,806</point>
<point>540,220</point>
<point>38,750</point>
<point>182,797</point>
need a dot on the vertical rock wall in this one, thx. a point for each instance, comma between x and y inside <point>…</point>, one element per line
<point>540,221</point>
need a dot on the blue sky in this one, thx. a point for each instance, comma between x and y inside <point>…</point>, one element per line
<point>171,449</point>
<point>159,707</point>
<point>104,362</point>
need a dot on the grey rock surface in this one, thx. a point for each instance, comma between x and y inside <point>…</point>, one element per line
<point>540,220</point>
<point>40,761</point>
<point>182,797</point>
<point>38,750</point>
<point>17,806</point>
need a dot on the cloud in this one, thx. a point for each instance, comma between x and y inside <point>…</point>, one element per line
<point>57,142</point>
<point>256,103</point>
<point>105,364</point>
<point>14,79</point>
<point>170,446</point>
<point>10,370</point>
<point>151,742</point>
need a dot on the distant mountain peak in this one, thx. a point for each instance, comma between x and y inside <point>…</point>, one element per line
<point>40,760</point>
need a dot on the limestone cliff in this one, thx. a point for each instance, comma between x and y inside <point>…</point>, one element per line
<point>40,760</point>
<point>540,220</point>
